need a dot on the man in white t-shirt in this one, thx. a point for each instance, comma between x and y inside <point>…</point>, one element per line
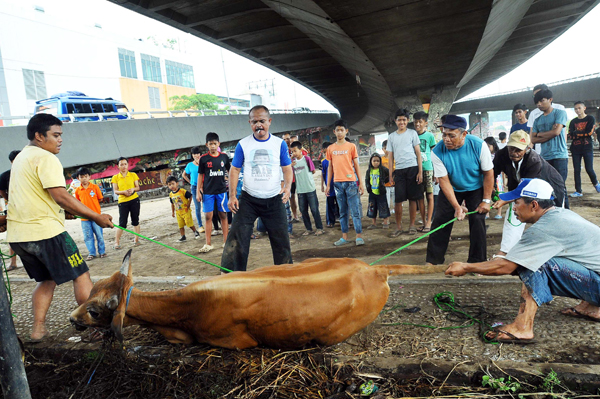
<point>535,113</point>
<point>263,157</point>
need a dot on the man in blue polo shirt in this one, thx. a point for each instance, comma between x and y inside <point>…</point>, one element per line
<point>264,158</point>
<point>463,165</point>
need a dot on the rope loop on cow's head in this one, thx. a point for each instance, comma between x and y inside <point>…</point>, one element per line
<point>128,297</point>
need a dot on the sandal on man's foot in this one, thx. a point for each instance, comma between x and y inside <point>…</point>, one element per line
<point>424,229</point>
<point>395,234</point>
<point>103,256</point>
<point>11,268</point>
<point>341,242</point>
<point>385,226</point>
<point>90,257</point>
<point>572,312</point>
<point>412,231</point>
<point>513,339</point>
<point>372,227</point>
<point>319,232</point>
<point>307,233</point>
<point>117,247</point>
<point>137,244</point>
<point>206,248</point>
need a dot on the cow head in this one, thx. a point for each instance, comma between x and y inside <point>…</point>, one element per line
<point>105,307</point>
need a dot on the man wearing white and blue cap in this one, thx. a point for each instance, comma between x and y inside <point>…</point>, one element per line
<point>462,163</point>
<point>550,258</point>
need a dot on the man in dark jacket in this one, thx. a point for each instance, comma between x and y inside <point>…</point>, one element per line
<point>518,162</point>
<point>376,178</point>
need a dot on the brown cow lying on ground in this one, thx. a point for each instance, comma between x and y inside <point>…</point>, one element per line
<point>318,301</point>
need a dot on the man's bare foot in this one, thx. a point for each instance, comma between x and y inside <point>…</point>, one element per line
<point>585,310</point>
<point>39,332</point>
<point>513,329</point>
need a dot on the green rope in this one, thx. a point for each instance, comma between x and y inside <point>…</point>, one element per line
<point>170,247</point>
<point>167,246</point>
<point>445,301</point>
<point>420,238</point>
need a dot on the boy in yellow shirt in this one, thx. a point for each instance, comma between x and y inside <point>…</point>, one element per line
<point>180,206</point>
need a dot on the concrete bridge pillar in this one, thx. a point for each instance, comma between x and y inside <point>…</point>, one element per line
<point>441,102</point>
<point>482,130</point>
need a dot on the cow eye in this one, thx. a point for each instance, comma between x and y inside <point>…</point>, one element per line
<point>94,314</point>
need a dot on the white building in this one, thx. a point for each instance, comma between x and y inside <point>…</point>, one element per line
<point>42,53</point>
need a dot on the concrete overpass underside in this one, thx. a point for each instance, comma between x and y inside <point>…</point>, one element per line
<point>369,57</point>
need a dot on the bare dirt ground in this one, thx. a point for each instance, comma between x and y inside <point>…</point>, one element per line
<point>395,339</point>
<point>155,219</point>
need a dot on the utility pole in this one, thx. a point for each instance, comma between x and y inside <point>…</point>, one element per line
<point>12,371</point>
<point>225,76</point>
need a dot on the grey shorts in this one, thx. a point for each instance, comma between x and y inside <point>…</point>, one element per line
<point>55,258</point>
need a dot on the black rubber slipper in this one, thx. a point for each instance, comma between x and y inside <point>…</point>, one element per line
<point>512,340</point>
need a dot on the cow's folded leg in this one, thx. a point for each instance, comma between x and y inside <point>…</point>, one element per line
<point>174,335</point>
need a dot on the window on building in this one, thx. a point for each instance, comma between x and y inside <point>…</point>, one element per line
<point>154,95</point>
<point>151,68</point>
<point>35,84</point>
<point>127,63</point>
<point>179,74</point>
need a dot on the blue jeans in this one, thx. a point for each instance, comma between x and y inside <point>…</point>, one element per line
<point>588,159</point>
<point>91,229</point>
<point>562,277</point>
<point>348,199</point>
<point>197,206</point>
<point>306,200</point>
<point>562,166</point>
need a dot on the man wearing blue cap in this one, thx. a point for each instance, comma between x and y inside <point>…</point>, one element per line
<point>463,165</point>
<point>549,260</point>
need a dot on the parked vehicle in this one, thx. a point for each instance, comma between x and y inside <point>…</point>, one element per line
<point>74,102</point>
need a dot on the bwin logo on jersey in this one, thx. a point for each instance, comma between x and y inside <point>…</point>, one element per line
<point>216,173</point>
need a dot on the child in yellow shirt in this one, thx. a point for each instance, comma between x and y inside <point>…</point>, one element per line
<point>180,207</point>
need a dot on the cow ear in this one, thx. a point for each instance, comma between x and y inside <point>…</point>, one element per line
<point>117,322</point>
<point>113,302</point>
<point>126,266</point>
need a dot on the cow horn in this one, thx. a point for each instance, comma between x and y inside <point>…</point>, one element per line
<point>126,266</point>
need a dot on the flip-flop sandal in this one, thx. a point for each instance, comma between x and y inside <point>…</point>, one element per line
<point>137,244</point>
<point>11,268</point>
<point>307,233</point>
<point>319,233</point>
<point>578,314</point>
<point>512,340</point>
<point>424,229</point>
<point>372,227</point>
<point>103,256</point>
<point>90,257</point>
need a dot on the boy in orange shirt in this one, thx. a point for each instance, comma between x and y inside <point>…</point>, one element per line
<point>345,171</point>
<point>90,195</point>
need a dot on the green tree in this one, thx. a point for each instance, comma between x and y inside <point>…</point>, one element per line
<point>194,102</point>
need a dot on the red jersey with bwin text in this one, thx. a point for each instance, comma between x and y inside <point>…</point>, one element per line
<point>214,169</point>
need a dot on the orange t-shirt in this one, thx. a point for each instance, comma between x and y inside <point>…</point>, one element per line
<point>341,156</point>
<point>89,197</point>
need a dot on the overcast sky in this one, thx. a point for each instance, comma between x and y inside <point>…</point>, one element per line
<point>565,58</point>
